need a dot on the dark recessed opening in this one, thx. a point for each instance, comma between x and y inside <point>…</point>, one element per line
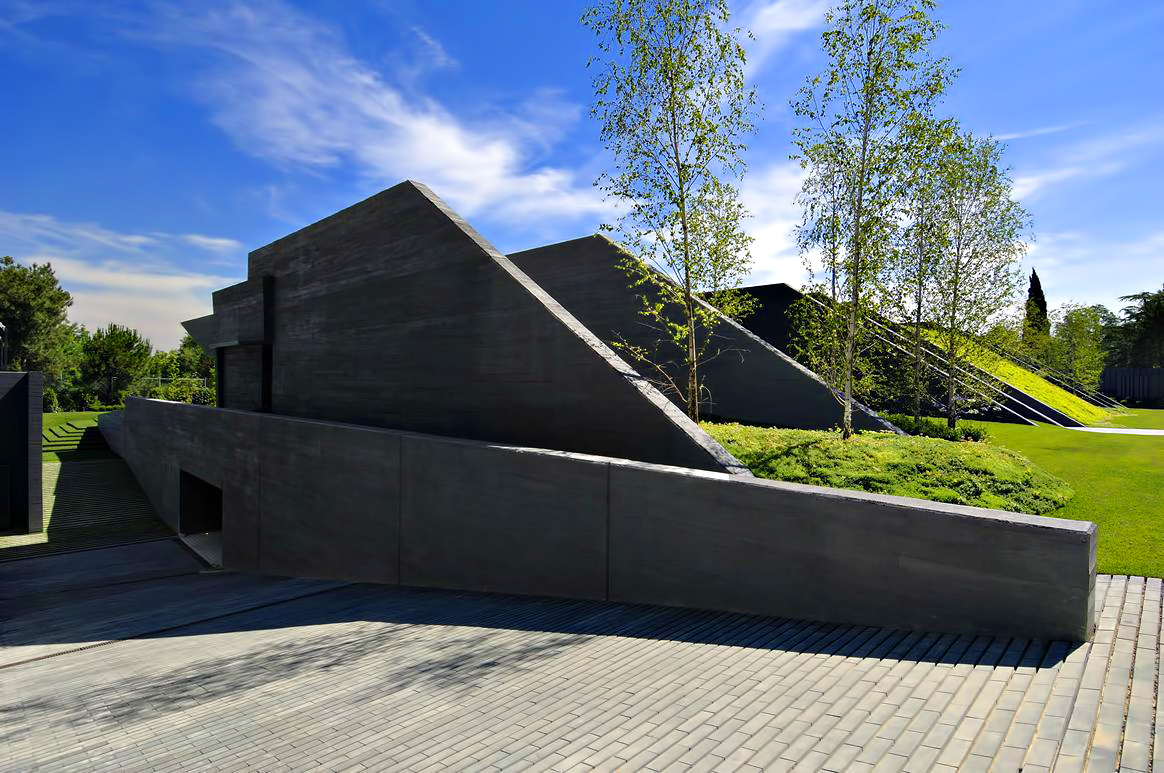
<point>200,507</point>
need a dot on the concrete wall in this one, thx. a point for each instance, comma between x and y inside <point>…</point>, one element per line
<point>21,411</point>
<point>395,313</point>
<point>748,379</point>
<point>344,502</point>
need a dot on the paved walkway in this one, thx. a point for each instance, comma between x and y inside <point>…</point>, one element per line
<point>1119,430</point>
<point>296,675</point>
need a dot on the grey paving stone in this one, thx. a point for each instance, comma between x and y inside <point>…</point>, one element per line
<point>378,677</point>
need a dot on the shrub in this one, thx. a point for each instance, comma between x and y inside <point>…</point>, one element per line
<point>50,403</point>
<point>928,427</point>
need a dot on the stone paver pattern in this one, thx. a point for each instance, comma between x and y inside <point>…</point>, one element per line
<point>318,676</point>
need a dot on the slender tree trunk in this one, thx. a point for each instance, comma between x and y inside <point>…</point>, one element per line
<point>917,322</point>
<point>692,354</point>
<point>952,352</point>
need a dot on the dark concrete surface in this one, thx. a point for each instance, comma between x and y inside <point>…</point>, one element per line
<point>748,379</point>
<point>356,503</point>
<point>21,411</point>
<point>225,671</point>
<point>395,313</point>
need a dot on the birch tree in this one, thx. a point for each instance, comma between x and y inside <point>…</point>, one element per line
<point>673,106</point>
<point>880,76</point>
<point>922,239</point>
<point>978,273</point>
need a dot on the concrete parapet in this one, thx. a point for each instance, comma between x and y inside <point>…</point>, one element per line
<point>339,501</point>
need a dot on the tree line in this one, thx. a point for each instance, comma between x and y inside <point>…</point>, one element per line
<point>90,370</point>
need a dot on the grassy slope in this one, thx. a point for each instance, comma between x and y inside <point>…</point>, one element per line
<point>927,468</point>
<point>1118,482</point>
<point>1033,384</point>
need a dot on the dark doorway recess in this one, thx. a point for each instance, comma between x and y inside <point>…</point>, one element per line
<point>200,508</point>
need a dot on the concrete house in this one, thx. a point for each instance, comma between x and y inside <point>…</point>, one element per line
<point>401,403</point>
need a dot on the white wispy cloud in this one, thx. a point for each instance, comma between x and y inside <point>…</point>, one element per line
<point>774,23</point>
<point>1096,157</point>
<point>1037,132</point>
<point>1087,268</point>
<point>286,88</point>
<point>437,56</point>
<point>140,280</point>
<point>213,243</point>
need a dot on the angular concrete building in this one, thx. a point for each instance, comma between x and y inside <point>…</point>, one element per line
<point>396,313</point>
<point>400,403</point>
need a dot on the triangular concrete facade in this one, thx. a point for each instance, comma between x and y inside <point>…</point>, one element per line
<point>749,380</point>
<point>396,313</point>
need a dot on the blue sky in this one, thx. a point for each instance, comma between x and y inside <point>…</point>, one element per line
<point>145,148</point>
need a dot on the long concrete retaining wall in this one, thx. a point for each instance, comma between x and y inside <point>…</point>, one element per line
<point>20,457</point>
<point>305,497</point>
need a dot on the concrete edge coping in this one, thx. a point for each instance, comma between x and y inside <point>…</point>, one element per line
<point>1065,526</point>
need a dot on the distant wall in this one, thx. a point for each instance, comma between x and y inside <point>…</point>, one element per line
<point>338,501</point>
<point>21,410</point>
<point>395,313</point>
<point>746,378</point>
<point>1141,385</point>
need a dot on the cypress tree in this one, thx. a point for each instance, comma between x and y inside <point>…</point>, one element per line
<point>1037,323</point>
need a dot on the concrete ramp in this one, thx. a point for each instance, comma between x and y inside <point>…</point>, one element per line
<point>395,313</point>
<point>748,379</point>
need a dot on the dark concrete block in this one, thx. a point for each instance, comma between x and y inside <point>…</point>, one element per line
<point>704,540</point>
<point>499,519</point>
<point>330,501</point>
<point>21,411</point>
<point>748,380</point>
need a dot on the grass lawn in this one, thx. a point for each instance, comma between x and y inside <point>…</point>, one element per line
<point>57,419</point>
<point>928,468</point>
<point>1118,482</point>
<point>1137,418</point>
<point>80,444</point>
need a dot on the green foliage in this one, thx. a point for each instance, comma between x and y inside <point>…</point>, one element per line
<point>921,243</point>
<point>819,331</point>
<point>1117,481</point>
<point>1136,339</point>
<point>977,274</point>
<point>114,357</point>
<point>927,468</point>
<point>927,427</point>
<point>33,308</point>
<point>672,103</point>
<point>1077,344</point>
<point>855,143</point>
